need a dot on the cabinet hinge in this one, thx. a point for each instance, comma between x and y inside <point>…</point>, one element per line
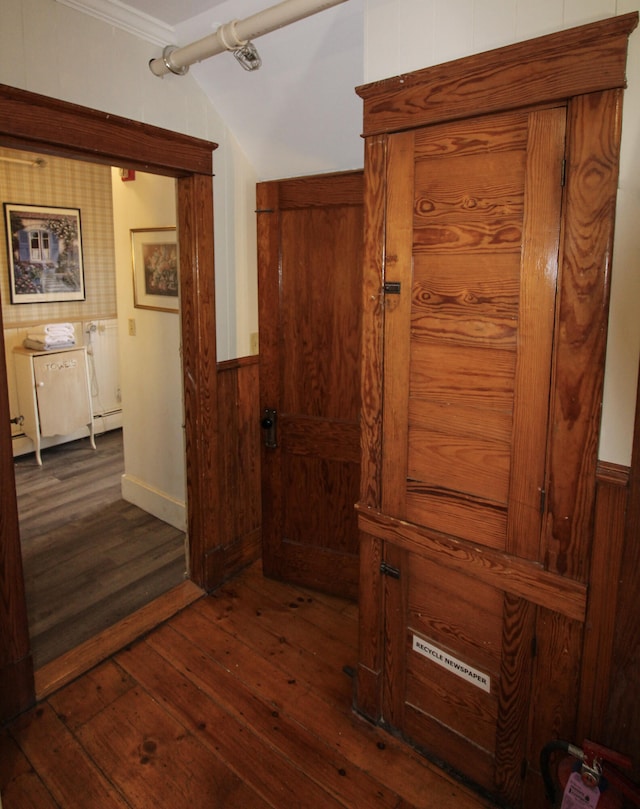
<point>391,287</point>
<point>389,570</point>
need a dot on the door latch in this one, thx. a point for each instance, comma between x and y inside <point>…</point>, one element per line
<point>268,424</point>
<point>389,570</point>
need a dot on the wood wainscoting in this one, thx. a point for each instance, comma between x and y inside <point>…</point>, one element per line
<point>239,469</point>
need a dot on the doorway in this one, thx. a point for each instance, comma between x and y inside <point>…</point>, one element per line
<point>53,127</point>
<point>88,559</point>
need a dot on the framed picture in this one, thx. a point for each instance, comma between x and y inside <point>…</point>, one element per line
<point>44,246</point>
<point>155,269</point>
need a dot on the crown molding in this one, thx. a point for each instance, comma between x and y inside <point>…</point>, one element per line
<point>128,19</point>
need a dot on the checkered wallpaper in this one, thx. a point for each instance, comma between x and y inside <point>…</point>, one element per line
<point>67,184</point>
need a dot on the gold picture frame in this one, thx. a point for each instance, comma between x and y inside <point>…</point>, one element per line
<point>155,263</point>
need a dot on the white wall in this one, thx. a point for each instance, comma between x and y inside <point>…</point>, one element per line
<point>49,48</point>
<point>406,35</point>
<point>151,371</point>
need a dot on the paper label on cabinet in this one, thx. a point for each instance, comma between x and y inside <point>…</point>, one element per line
<point>452,664</point>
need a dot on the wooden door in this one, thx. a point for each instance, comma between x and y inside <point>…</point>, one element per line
<point>473,227</point>
<point>310,256</point>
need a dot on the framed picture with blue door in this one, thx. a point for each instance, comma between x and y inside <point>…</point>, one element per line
<point>44,247</point>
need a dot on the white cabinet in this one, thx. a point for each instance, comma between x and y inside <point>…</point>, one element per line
<point>53,393</point>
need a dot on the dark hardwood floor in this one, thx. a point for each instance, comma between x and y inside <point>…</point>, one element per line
<point>89,557</point>
<point>240,701</point>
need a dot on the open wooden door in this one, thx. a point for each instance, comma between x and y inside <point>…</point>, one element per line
<point>310,257</point>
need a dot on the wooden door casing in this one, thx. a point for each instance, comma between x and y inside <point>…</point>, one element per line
<point>538,575</point>
<point>42,124</point>
<point>310,256</point>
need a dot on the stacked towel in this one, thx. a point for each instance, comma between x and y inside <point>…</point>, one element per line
<point>52,336</point>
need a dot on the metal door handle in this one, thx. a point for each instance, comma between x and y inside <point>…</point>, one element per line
<point>268,424</point>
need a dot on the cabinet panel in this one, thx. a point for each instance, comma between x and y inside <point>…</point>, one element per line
<point>468,349</point>
<point>62,392</point>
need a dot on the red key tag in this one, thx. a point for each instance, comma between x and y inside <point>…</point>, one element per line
<point>578,795</point>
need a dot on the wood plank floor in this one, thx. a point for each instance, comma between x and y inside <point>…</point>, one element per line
<point>89,558</point>
<point>241,701</point>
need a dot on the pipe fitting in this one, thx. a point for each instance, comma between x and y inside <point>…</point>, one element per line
<point>229,36</point>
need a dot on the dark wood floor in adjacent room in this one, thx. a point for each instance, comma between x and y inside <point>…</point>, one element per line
<point>89,557</point>
<point>241,701</point>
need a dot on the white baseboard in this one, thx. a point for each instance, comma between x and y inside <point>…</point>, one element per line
<point>155,502</point>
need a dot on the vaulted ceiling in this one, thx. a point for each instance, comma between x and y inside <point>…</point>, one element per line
<point>298,114</point>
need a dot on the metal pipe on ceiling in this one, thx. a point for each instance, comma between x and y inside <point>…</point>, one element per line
<point>237,34</point>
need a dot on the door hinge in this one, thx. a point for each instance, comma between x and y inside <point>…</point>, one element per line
<point>563,173</point>
<point>391,287</point>
<point>543,500</point>
<point>534,646</point>
<point>389,570</point>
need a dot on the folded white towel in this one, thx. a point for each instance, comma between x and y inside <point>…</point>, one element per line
<point>59,328</point>
<point>49,340</point>
<point>38,345</point>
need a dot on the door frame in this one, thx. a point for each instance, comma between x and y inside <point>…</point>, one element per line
<point>41,124</point>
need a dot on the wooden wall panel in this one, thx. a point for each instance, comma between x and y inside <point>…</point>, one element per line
<point>238,469</point>
<point>581,328</point>
<point>600,626</point>
<point>621,724</point>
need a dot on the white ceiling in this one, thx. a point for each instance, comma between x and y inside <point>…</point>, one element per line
<point>298,114</point>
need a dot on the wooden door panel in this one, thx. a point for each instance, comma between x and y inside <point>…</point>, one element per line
<point>476,333</point>
<point>313,521</point>
<point>462,631</point>
<point>310,256</point>
<point>466,618</point>
<point>453,704</point>
<point>471,467</point>
<point>320,289</point>
<point>470,303</point>
<point>480,377</point>
<point>443,744</point>
<point>485,521</point>
<point>468,364</point>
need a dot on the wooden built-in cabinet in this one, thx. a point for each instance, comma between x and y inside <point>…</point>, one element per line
<point>490,187</point>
